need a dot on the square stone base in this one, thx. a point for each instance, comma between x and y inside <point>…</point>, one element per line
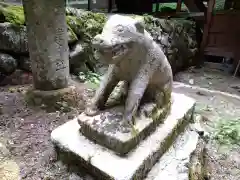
<point>105,164</point>
<point>107,130</point>
<point>175,163</point>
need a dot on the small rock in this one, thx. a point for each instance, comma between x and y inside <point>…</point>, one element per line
<point>17,78</point>
<point>200,93</point>
<point>13,38</point>
<point>197,167</point>
<point>71,116</point>
<point>235,87</point>
<point>77,58</point>
<point>8,64</point>
<point>191,81</point>
<point>74,176</point>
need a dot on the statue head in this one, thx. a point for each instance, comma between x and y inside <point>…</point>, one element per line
<point>119,36</point>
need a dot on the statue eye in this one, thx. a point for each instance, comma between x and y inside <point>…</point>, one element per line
<point>120,28</point>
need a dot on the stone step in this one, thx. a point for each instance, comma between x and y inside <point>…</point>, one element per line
<point>106,128</point>
<point>105,164</point>
<point>176,163</point>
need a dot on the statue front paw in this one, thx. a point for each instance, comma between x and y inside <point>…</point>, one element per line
<point>127,121</point>
<point>128,124</point>
<point>91,111</point>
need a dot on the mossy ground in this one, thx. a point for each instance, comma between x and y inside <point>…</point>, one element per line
<point>227,132</point>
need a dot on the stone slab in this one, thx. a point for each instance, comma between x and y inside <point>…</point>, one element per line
<point>174,164</point>
<point>107,130</point>
<point>105,164</point>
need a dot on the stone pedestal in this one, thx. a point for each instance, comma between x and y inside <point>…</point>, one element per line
<point>107,130</point>
<point>147,150</point>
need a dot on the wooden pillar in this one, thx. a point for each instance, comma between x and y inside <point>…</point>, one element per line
<point>207,24</point>
<point>179,6</point>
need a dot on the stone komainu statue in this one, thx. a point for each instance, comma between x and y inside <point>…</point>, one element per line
<point>134,58</point>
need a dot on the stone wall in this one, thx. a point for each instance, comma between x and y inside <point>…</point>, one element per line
<point>176,37</point>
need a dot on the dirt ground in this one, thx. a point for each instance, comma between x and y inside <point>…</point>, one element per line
<point>223,161</point>
<point>26,130</point>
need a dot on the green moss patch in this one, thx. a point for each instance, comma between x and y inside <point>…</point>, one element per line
<point>227,132</point>
<point>13,14</point>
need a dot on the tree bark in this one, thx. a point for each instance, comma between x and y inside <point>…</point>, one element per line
<point>48,43</point>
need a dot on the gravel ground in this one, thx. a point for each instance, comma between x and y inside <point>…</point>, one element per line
<point>26,130</point>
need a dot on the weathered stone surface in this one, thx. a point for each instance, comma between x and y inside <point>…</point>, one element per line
<point>197,167</point>
<point>49,56</point>
<point>105,164</point>
<point>8,64</point>
<point>106,128</point>
<point>146,72</point>
<point>62,99</point>
<point>13,38</point>
<point>174,164</point>
<point>185,159</point>
<point>177,38</point>
<point>77,58</point>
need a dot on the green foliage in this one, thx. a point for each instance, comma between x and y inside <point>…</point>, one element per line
<point>92,25</point>
<point>86,24</point>
<point>228,132</point>
<point>73,22</point>
<point>219,5</point>
<point>170,7</point>
<point>90,78</point>
<point>73,36</point>
<point>166,7</point>
<point>13,14</point>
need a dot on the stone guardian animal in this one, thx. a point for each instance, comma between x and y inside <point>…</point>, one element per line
<point>135,58</point>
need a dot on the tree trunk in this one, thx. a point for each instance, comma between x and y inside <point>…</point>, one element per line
<point>48,43</point>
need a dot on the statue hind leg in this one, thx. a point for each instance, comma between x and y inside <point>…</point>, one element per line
<point>156,101</point>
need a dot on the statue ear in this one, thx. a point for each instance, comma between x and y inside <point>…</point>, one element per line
<point>139,24</point>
